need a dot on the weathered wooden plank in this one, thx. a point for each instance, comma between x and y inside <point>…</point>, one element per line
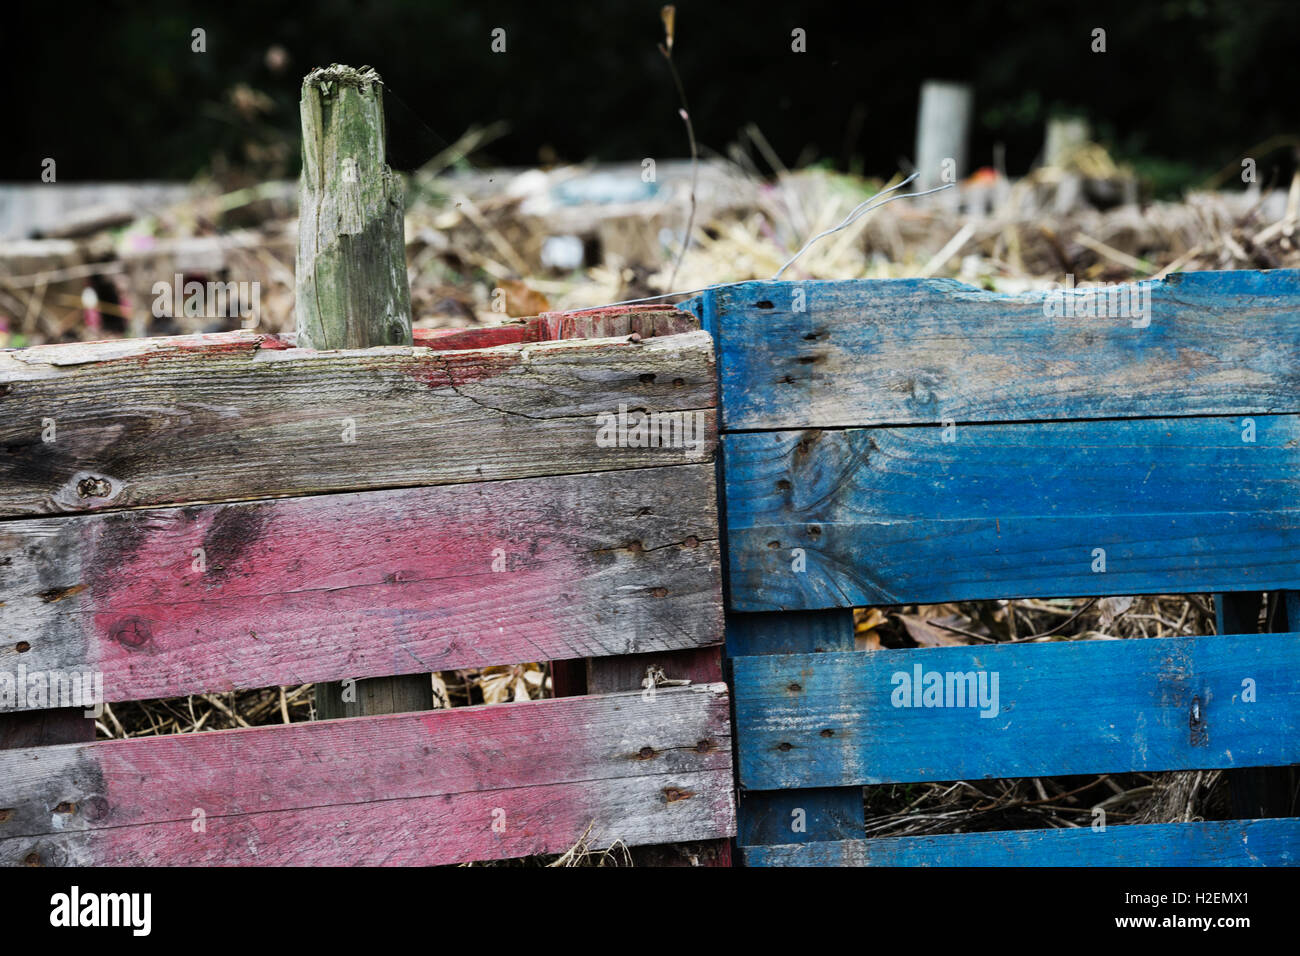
<point>567,678</point>
<point>36,728</point>
<point>629,672</point>
<point>605,675</point>
<point>924,351</point>
<point>811,813</point>
<point>510,333</point>
<point>604,322</point>
<point>607,321</point>
<point>893,515</point>
<point>1213,843</point>
<point>1045,709</point>
<point>373,695</point>
<point>205,418</point>
<point>433,787</point>
<point>174,601</point>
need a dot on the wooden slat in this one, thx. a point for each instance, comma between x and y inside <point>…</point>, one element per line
<point>894,515</point>
<point>627,672</point>
<point>404,789</point>
<point>810,813</point>
<point>598,323</point>
<point>367,584</point>
<point>607,321</point>
<point>1070,707</point>
<point>1217,843</point>
<point>201,418</point>
<point>902,351</point>
<point>36,728</point>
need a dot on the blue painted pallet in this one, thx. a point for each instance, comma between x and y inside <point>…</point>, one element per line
<point>1017,710</point>
<point>834,354</point>
<point>921,514</point>
<point>1033,472</point>
<point>1221,843</point>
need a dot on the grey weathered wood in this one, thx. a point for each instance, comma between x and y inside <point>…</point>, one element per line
<point>352,285</point>
<point>700,665</point>
<point>241,415</point>
<point>37,728</point>
<point>375,695</point>
<point>40,728</point>
<point>352,290</point>
<point>378,583</point>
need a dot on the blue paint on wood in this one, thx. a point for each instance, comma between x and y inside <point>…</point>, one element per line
<point>995,509</point>
<point>799,816</point>
<point>1238,613</point>
<point>897,515</point>
<point>901,351</point>
<point>811,813</point>
<point>796,632</point>
<point>1068,707</point>
<point>1219,843</point>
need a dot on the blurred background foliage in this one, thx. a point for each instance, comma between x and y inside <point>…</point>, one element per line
<point>113,91</point>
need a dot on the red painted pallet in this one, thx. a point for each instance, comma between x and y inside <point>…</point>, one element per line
<point>215,512</point>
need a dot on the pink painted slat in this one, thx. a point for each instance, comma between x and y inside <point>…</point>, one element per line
<point>507,334</point>
<point>410,788</point>
<point>422,831</point>
<point>365,585</point>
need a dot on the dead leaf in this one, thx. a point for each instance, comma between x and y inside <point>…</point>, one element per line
<point>865,622</point>
<point>441,698</point>
<point>521,301</point>
<point>867,619</point>
<point>926,634</point>
<point>867,641</point>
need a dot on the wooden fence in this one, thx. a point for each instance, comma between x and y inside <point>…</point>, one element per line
<point>229,511</point>
<point>922,441</point>
<point>881,443</point>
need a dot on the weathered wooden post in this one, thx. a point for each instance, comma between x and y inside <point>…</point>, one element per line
<point>351,282</point>
<point>352,286</point>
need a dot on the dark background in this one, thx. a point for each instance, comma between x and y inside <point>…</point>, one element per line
<point>113,91</point>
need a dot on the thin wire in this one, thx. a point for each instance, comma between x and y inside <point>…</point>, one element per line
<point>842,224</point>
<point>851,218</point>
<point>858,212</point>
<point>864,207</point>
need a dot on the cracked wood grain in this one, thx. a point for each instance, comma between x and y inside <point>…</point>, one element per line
<point>206,418</point>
